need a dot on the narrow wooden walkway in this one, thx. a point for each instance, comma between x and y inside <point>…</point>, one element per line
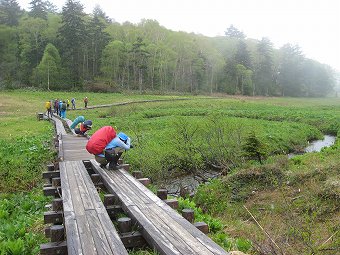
<point>163,228</point>
<point>89,229</point>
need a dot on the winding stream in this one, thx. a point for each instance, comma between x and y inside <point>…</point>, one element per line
<point>191,182</point>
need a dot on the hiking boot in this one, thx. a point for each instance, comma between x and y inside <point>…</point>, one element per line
<point>113,166</point>
<point>103,165</point>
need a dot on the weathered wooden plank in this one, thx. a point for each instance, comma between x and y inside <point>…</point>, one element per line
<point>85,198</point>
<point>89,187</point>
<point>205,240</point>
<point>112,236</point>
<point>152,235</point>
<point>58,248</point>
<point>65,186</point>
<point>72,234</point>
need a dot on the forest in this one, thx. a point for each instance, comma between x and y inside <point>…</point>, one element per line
<point>71,50</point>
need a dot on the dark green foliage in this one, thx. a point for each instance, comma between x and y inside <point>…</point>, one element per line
<point>19,213</point>
<point>9,12</point>
<point>253,148</point>
<point>21,162</point>
<point>150,57</point>
<point>38,9</point>
<point>73,37</point>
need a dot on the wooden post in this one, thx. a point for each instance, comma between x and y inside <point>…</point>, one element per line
<point>173,203</point>
<point>50,167</point>
<point>95,178</point>
<point>202,226</point>
<point>56,182</point>
<point>162,194</point>
<point>57,204</point>
<point>109,199</point>
<point>57,233</point>
<point>145,181</point>
<point>137,174</point>
<point>188,214</point>
<point>124,224</point>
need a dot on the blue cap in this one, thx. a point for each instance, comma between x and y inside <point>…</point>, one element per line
<point>123,136</point>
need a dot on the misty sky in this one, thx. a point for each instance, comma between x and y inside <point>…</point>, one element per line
<point>312,24</point>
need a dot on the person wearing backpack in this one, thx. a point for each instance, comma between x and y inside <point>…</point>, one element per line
<point>107,146</point>
<point>73,102</point>
<point>83,128</point>
<point>63,110</point>
<point>113,151</point>
<point>48,106</point>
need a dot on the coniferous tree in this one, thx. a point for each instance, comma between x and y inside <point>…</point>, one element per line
<point>9,12</point>
<point>290,72</point>
<point>73,37</point>
<point>38,9</point>
<point>234,33</point>
<point>264,68</point>
<point>98,39</point>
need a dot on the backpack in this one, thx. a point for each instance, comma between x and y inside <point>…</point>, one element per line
<point>98,141</point>
<point>48,105</point>
<point>63,106</point>
<point>78,120</point>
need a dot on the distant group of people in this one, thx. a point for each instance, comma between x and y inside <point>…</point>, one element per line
<point>61,106</point>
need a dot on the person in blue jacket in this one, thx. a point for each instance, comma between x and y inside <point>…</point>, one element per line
<point>114,150</point>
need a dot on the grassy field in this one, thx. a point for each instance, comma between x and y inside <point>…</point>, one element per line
<point>296,200</point>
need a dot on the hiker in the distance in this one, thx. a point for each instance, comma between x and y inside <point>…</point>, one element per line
<point>48,106</point>
<point>86,100</point>
<point>73,102</point>
<point>63,109</point>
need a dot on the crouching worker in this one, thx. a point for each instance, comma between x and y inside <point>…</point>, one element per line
<point>113,151</point>
<point>83,128</point>
<point>107,146</point>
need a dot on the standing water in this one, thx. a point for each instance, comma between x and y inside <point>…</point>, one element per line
<point>317,145</point>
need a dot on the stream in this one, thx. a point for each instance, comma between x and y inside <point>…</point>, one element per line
<point>317,145</point>
<point>191,182</point>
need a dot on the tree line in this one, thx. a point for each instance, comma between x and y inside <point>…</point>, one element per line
<point>74,50</point>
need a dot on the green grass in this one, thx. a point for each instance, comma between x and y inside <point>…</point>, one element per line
<point>176,137</point>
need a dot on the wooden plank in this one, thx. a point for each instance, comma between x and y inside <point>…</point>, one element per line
<point>53,248</point>
<point>72,234</point>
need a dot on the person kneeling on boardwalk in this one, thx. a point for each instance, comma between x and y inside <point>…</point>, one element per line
<point>108,147</point>
<point>83,128</point>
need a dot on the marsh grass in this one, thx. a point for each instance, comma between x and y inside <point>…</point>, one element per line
<point>213,131</point>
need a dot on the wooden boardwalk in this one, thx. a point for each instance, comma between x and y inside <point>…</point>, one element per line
<point>163,228</point>
<point>88,227</point>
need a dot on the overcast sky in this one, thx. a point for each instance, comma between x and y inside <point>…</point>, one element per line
<point>312,24</point>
